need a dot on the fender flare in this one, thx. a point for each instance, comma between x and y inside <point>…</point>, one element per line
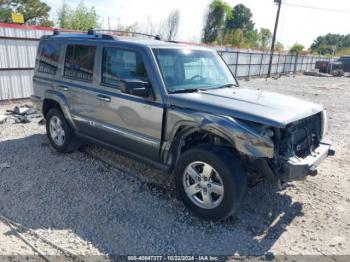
<point>62,101</point>
<point>242,137</point>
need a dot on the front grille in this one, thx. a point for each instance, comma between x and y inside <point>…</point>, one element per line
<point>303,136</point>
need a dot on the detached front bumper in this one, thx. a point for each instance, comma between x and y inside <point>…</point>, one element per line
<point>298,168</point>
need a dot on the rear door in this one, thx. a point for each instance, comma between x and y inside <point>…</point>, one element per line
<point>78,85</point>
<point>46,67</point>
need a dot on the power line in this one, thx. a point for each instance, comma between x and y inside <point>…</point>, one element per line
<point>317,8</point>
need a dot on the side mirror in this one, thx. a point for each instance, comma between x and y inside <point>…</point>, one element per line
<point>135,87</point>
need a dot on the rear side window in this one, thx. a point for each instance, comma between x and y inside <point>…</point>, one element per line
<point>121,64</point>
<point>49,57</point>
<point>79,62</point>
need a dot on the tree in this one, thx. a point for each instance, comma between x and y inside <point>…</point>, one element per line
<point>82,18</point>
<point>170,28</point>
<point>215,19</point>
<point>64,16</point>
<point>234,38</point>
<point>149,27</point>
<point>325,44</point>
<point>35,12</point>
<point>297,48</point>
<point>241,19</point>
<point>235,25</point>
<point>265,37</point>
<point>279,47</point>
<point>325,49</point>
<point>251,39</point>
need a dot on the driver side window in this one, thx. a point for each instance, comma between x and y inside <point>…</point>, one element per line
<point>119,64</point>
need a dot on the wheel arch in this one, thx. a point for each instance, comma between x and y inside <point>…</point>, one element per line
<point>224,131</point>
<point>55,99</point>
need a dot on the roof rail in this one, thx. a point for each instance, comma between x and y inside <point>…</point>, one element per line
<point>121,32</point>
<point>58,31</point>
<point>105,33</point>
<point>90,32</point>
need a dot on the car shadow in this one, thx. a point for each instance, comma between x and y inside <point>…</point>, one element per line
<point>121,210</point>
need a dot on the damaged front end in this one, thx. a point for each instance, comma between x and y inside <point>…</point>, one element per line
<point>300,147</point>
<point>291,153</point>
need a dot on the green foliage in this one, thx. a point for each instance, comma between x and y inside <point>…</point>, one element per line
<point>343,52</point>
<point>265,37</point>
<point>241,19</point>
<point>325,44</point>
<point>82,18</point>
<point>251,39</point>
<point>279,47</point>
<point>64,16</point>
<point>234,38</point>
<point>325,49</point>
<point>236,26</point>
<point>215,19</point>
<point>297,48</point>
<point>35,12</point>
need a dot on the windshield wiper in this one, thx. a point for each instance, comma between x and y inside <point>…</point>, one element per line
<point>192,90</point>
<point>188,90</point>
<point>227,85</point>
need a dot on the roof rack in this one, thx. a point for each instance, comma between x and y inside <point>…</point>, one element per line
<point>58,31</point>
<point>104,33</point>
<point>127,33</point>
<point>91,32</point>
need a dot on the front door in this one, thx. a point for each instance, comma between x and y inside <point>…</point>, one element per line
<point>131,122</point>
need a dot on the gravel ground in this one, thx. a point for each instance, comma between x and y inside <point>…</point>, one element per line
<point>97,202</point>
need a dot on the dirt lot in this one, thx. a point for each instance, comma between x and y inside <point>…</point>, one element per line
<point>90,207</point>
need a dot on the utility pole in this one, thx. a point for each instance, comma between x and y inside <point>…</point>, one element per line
<point>279,3</point>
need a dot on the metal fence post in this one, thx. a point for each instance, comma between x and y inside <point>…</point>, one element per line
<point>236,63</point>
<point>261,62</point>
<point>284,64</point>
<point>278,63</point>
<point>250,62</point>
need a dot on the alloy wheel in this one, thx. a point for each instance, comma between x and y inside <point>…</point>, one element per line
<point>203,185</point>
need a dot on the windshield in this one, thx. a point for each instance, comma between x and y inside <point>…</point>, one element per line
<point>186,69</point>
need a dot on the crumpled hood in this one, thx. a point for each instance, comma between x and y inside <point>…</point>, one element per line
<point>259,106</point>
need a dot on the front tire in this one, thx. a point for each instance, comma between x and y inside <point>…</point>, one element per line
<point>211,182</point>
<point>59,132</point>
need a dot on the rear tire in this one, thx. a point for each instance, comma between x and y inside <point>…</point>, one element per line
<point>59,132</point>
<point>211,182</point>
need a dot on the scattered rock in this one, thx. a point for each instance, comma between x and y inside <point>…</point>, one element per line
<point>5,165</point>
<point>3,119</point>
<point>269,256</point>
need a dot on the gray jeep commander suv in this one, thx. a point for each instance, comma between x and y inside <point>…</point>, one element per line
<point>179,108</point>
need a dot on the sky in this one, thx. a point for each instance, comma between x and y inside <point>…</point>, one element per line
<point>297,24</point>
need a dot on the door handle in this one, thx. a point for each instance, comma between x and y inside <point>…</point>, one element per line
<point>103,98</point>
<point>64,88</point>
